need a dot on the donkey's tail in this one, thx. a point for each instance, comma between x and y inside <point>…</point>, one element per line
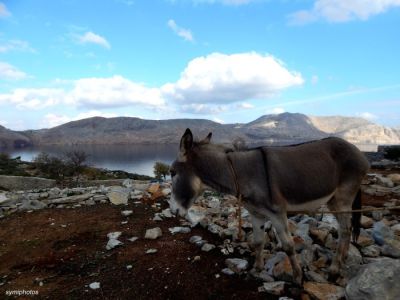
<point>356,217</point>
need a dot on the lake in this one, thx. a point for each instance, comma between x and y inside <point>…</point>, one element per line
<point>138,159</point>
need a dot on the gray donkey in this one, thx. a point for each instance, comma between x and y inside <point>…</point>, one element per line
<point>273,181</point>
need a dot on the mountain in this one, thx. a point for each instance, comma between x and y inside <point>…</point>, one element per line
<point>282,129</point>
<point>12,139</point>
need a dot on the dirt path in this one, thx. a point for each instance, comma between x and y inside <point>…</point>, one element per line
<point>65,250</point>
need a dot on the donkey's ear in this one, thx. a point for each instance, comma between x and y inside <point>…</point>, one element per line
<point>207,139</point>
<point>186,141</point>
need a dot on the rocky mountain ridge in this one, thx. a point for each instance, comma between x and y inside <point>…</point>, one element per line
<point>282,128</point>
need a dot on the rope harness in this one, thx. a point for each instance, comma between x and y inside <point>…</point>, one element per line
<point>238,196</point>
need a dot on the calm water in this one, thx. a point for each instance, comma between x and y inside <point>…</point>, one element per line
<point>138,159</point>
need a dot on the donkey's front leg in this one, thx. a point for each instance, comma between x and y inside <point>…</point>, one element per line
<point>279,221</point>
<point>258,240</point>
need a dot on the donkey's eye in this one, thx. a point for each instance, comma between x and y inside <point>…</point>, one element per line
<point>172,172</point>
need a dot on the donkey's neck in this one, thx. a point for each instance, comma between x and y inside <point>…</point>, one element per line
<point>216,172</point>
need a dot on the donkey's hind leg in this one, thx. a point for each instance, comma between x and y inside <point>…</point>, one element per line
<point>280,223</point>
<point>338,203</point>
<point>258,222</point>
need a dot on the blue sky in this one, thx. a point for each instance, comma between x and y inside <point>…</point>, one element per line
<point>225,60</point>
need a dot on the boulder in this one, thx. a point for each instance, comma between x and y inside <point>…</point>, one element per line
<point>377,280</point>
<point>395,178</point>
<point>381,232</point>
<point>207,247</point>
<point>366,222</point>
<point>371,251</point>
<point>32,205</point>
<point>19,183</point>
<point>237,265</point>
<point>324,291</point>
<point>384,181</point>
<point>118,195</point>
<point>274,288</point>
<point>70,199</point>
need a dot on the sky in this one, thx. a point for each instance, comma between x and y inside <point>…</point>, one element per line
<point>230,61</point>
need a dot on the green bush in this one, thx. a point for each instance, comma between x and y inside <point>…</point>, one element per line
<point>161,170</point>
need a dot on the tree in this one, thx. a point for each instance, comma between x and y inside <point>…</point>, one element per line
<point>161,170</point>
<point>76,161</point>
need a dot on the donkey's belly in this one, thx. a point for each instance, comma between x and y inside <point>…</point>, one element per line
<point>309,204</point>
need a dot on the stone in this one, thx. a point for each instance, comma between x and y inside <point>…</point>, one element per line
<point>227,271</point>
<point>23,183</point>
<point>323,291</point>
<point>396,229</point>
<point>207,247</point>
<point>71,199</point>
<point>237,265</point>
<point>94,285</point>
<point>365,239</point>
<point>157,217</point>
<point>214,228</point>
<point>126,213</point>
<point>132,239</point>
<point>275,288</point>
<point>381,232</point>
<point>371,251</point>
<point>329,222</point>
<point>366,222</point>
<point>166,213</point>
<point>31,205</point>
<point>166,192</point>
<point>316,277</point>
<point>272,261</point>
<point>195,238</point>
<point>153,188</point>
<point>377,215</point>
<point>175,230</point>
<point>196,214</point>
<point>118,195</point>
<point>384,181</point>
<point>395,178</point>
<point>113,240</point>
<point>153,233</point>
<point>151,251</point>
<point>90,202</point>
<point>303,231</point>
<point>127,183</point>
<point>283,270</point>
<point>319,234</point>
<point>213,202</point>
<point>377,280</point>
<point>391,248</point>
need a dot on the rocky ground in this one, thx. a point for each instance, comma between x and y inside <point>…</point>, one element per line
<point>122,242</point>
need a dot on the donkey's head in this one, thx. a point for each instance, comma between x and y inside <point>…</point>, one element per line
<point>186,182</point>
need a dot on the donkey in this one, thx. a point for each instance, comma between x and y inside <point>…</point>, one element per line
<point>274,181</point>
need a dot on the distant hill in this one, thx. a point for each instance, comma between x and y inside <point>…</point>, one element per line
<point>282,129</point>
<point>12,139</point>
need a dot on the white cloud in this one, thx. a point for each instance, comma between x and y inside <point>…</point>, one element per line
<point>368,116</point>
<point>4,11</point>
<point>245,105</point>
<point>9,72</point>
<point>16,45</point>
<point>114,91</point>
<point>93,38</point>
<point>203,109</point>
<point>221,78</point>
<point>275,111</point>
<point>32,98</point>
<point>342,10</point>
<point>52,120</point>
<point>186,34</point>
<point>220,121</point>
